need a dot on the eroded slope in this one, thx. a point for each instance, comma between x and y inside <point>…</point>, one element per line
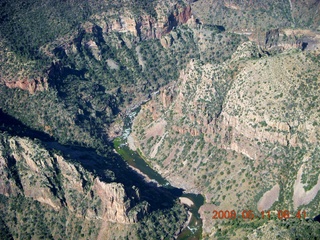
<point>235,130</point>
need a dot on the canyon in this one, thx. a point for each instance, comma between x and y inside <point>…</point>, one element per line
<point>227,95</point>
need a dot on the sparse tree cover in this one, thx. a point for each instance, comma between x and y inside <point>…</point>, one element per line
<point>233,111</point>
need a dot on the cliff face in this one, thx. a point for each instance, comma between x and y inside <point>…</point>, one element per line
<point>225,99</point>
<point>15,74</point>
<point>278,40</point>
<point>251,15</point>
<point>30,170</point>
<point>138,28</point>
<point>148,27</point>
<point>237,125</point>
<point>30,85</point>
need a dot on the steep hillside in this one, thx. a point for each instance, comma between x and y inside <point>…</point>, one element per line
<point>90,74</point>
<point>250,15</point>
<point>66,73</point>
<point>236,130</point>
<point>79,193</point>
<point>229,108</point>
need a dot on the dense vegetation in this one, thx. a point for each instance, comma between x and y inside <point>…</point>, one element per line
<point>265,228</point>
<point>85,94</point>
<point>162,224</point>
<point>22,217</point>
<point>28,25</point>
<point>28,219</point>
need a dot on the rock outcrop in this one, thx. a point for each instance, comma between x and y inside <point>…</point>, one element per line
<point>278,40</point>
<point>28,169</point>
<point>142,27</point>
<point>145,26</point>
<point>33,85</point>
<point>255,114</point>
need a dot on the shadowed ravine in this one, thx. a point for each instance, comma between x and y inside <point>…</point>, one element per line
<point>159,193</point>
<point>194,228</point>
<point>160,196</point>
<point>99,164</point>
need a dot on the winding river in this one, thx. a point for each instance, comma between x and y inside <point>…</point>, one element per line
<point>194,228</point>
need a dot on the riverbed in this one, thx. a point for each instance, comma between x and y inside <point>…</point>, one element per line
<point>194,228</point>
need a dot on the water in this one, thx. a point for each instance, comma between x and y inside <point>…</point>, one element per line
<point>194,229</point>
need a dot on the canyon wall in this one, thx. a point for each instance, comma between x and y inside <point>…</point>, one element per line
<point>30,170</point>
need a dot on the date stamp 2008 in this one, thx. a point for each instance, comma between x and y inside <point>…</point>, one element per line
<point>250,215</point>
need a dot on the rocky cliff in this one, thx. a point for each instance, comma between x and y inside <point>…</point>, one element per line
<point>232,91</point>
<point>251,15</point>
<point>146,26</point>
<point>33,85</point>
<point>97,71</point>
<point>79,192</point>
<point>139,27</point>
<point>15,74</point>
<point>30,170</point>
<point>227,126</point>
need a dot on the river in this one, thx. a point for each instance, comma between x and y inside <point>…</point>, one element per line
<point>194,228</point>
